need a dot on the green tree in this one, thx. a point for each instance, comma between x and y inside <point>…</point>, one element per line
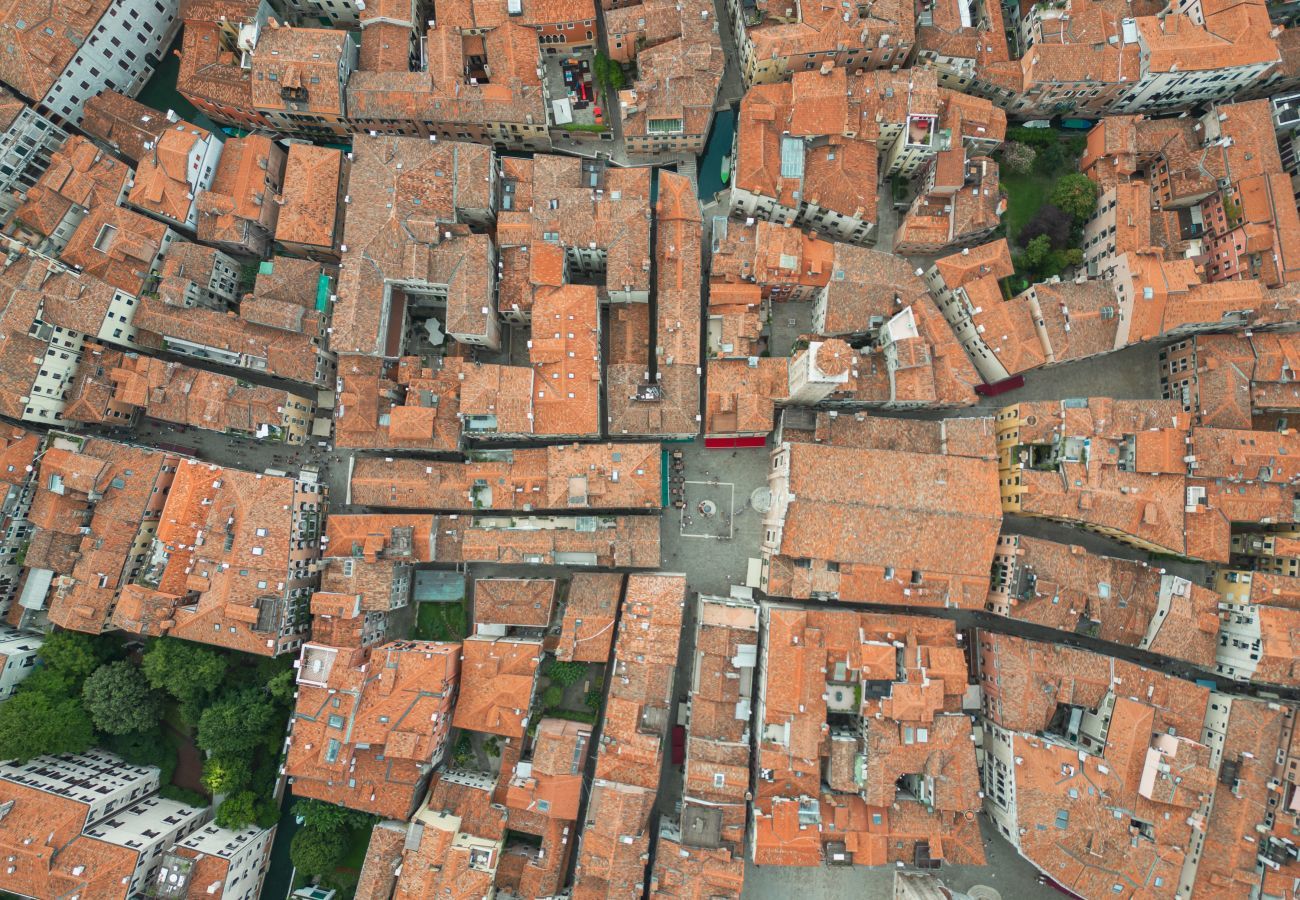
<point>189,672</point>
<point>119,699</point>
<point>608,73</point>
<point>55,685</point>
<point>33,723</point>
<point>553,696</point>
<point>567,673</point>
<point>226,774</point>
<point>317,852</point>
<point>329,817</point>
<point>615,78</point>
<point>73,655</point>
<point>237,811</point>
<point>236,723</point>
<point>1037,251</point>
<point>282,686</point>
<point>1076,194</point>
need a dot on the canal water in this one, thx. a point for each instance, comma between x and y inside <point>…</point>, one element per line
<point>709,172</point>
<point>160,91</point>
<point>279,875</point>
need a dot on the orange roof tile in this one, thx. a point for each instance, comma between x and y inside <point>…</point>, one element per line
<point>497,679</point>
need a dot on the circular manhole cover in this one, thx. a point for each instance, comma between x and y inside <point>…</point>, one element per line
<point>984,892</point>
<point>761,500</point>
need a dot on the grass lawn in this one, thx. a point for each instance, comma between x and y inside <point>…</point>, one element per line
<point>1025,194</point>
<point>358,841</point>
<point>441,622</point>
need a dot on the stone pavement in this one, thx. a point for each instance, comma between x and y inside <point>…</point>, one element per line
<point>714,564</point>
<point>1006,872</point>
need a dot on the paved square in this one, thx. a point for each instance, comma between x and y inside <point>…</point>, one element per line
<point>698,494</point>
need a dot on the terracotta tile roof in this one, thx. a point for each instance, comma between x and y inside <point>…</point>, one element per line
<point>1169,294</point>
<point>1276,357</point>
<point>1252,735</point>
<point>619,476</point>
<point>948,34</point>
<point>535,13</point>
<point>928,369</point>
<point>163,183</point>
<point>287,354</point>
<point>821,29</point>
<point>48,854</point>
<point>565,355</point>
<point>10,108</point>
<point>312,213</point>
<point>238,596</point>
<point>587,628</point>
<point>631,541</point>
<point>370,537</point>
<point>934,500</point>
<point>1033,678</point>
<point>501,393</point>
<point>678,301</point>
<point>577,207</point>
<point>991,260</point>
<point>838,173</point>
<point>864,283</point>
<point>79,174</point>
<point>455,840</point>
<point>741,398</point>
<point>284,295</point>
<point>1124,601</point>
<point>497,679</point>
<point>1233,35</point>
<point>305,59</point>
<point>407,196</point>
<point>966,210</point>
<point>1048,323</point>
<point>443,94</point>
<point>239,205</point>
<point>116,492</point>
<point>1166,742</point>
<point>22,286</point>
<point>40,39</point>
<point>383,860</point>
<point>640,682</point>
<point>770,255</point>
<point>122,123</point>
<point>694,872</point>
<point>917,679</point>
<point>1148,507</point>
<point>111,385</point>
<point>117,246</point>
<point>677,79</point>
<point>386,406</point>
<point>615,842</point>
<point>187,267</point>
<point>716,778</point>
<point>210,72</point>
<point>525,602</point>
<point>364,735</point>
<point>552,784</point>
